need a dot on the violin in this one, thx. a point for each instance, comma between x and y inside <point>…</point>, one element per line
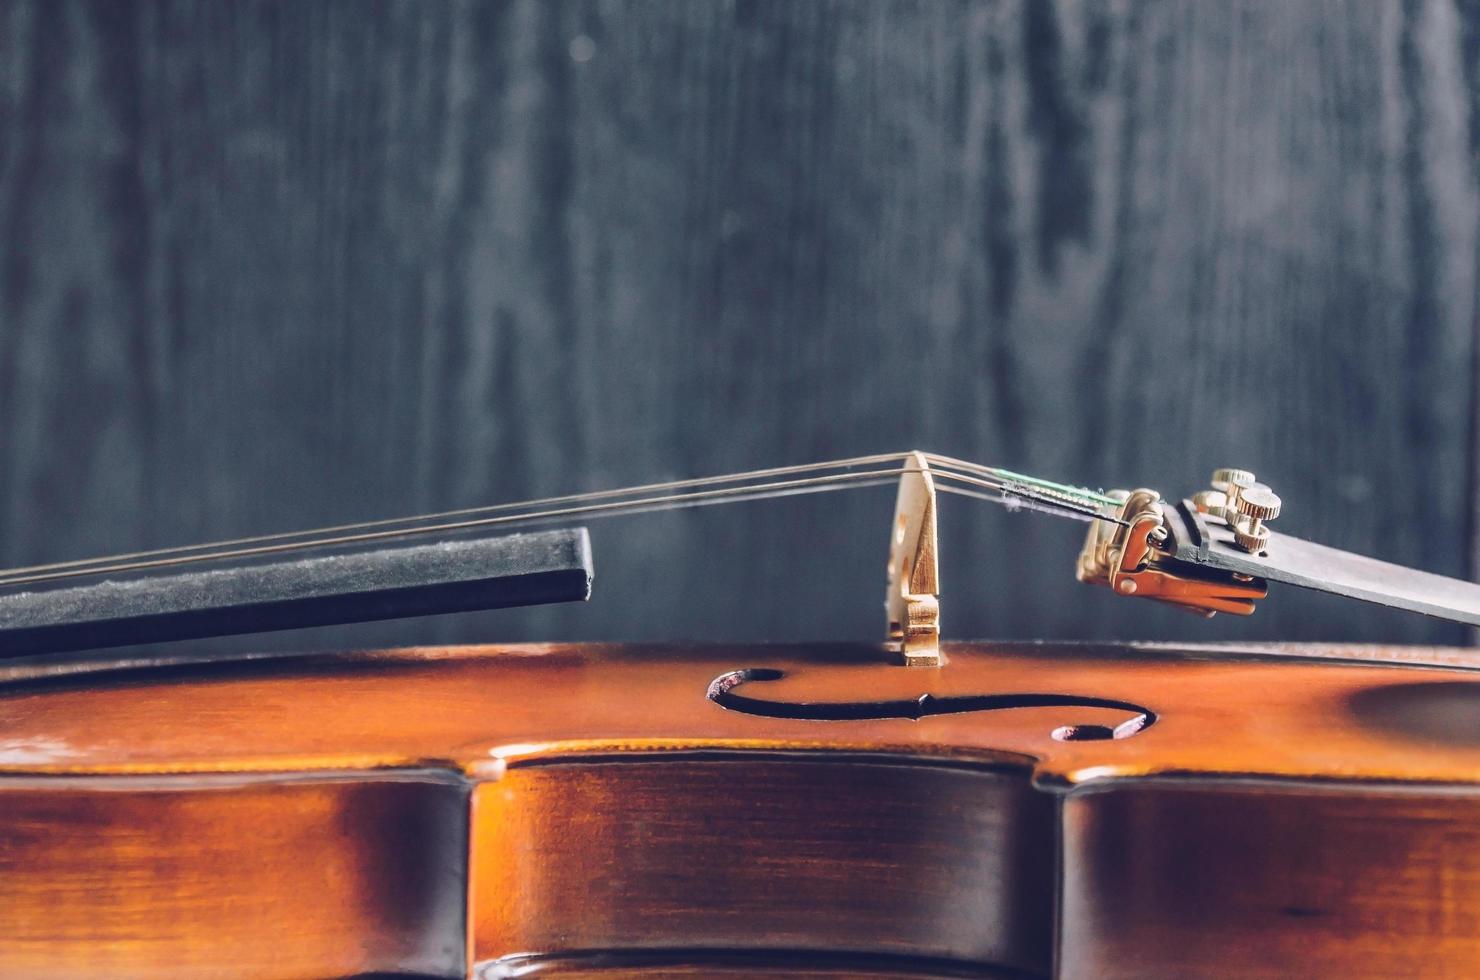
<point>915,808</point>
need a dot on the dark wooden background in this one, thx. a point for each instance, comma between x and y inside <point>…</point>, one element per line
<point>270,265</point>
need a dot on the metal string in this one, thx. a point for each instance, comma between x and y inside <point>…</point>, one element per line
<point>11,573</point>
<point>702,491</point>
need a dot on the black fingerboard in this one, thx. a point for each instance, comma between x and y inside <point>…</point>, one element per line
<point>386,583</point>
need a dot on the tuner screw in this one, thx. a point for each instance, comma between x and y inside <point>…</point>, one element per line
<point>1227,474</point>
<point>1225,481</point>
<point>1210,502</point>
<point>1256,503</point>
<point>1236,488</point>
<point>1251,541</point>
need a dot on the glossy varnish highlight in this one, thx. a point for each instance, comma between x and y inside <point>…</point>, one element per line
<point>788,854</point>
<point>231,877</point>
<point>534,810</point>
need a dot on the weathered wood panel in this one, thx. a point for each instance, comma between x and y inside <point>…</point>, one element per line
<point>267,265</point>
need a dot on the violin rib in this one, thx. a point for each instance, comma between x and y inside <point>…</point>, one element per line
<point>592,810</point>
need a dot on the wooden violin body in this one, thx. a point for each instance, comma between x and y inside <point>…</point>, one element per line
<point>625,810</point>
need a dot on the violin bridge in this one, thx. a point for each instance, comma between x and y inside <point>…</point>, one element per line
<point>913,599</point>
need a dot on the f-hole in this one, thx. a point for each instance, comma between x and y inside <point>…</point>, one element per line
<point>724,691</point>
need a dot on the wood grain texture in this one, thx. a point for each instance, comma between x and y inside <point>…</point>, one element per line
<point>533,809</point>
<point>270,265</point>
<point>686,965</point>
<point>237,877</point>
<point>789,856</point>
<point>1268,881</point>
<point>479,711</point>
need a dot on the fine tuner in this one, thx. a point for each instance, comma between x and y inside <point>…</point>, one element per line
<point>1242,503</point>
<point>1212,552</point>
<point>723,809</point>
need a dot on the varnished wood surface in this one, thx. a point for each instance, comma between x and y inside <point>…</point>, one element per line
<point>1186,881</point>
<point>271,265</point>
<point>312,878</point>
<point>532,809</point>
<point>478,710</point>
<point>730,963</point>
<point>789,855</point>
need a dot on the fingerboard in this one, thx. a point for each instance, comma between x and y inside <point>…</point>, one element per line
<point>394,582</point>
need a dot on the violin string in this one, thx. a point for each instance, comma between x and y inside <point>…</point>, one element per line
<point>638,505</point>
<point>1064,491</point>
<point>585,505</point>
<point>17,574</point>
<point>1014,503</point>
<point>10,574</point>
<point>168,557</point>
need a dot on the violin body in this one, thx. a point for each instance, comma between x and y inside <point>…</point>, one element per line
<point>605,810</point>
